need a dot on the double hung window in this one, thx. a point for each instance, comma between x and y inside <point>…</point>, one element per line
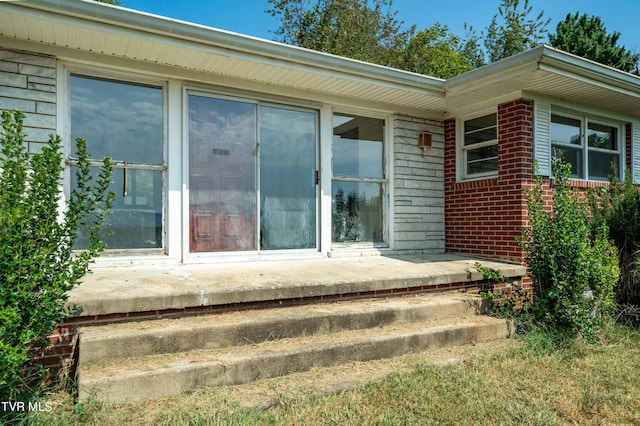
<point>123,121</point>
<point>480,147</point>
<point>590,146</point>
<point>359,180</point>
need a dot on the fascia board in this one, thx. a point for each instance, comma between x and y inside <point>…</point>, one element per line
<point>232,43</point>
<point>551,60</point>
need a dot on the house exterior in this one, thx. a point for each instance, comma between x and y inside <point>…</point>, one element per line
<point>227,147</point>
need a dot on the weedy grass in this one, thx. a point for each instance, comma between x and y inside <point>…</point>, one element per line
<point>540,379</point>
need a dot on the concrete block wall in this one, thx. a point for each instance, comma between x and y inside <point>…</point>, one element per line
<point>484,217</point>
<point>28,84</point>
<point>418,186</point>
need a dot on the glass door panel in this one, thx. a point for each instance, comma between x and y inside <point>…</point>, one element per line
<point>222,174</point>
<point>287,178</point>
<point>359,180</point>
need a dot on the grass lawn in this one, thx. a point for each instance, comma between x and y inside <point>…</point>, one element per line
<point>528,381</point>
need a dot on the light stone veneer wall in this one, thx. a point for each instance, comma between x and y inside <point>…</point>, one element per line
<point>28,84</point>
<point>418,186</point>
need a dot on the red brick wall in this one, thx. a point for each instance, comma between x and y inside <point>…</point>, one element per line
<point>484,217</point>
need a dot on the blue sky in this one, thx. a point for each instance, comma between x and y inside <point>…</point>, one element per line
<point>248,16</point>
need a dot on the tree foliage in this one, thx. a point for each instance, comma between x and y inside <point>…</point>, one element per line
<point>38,265</point>
<point>437,53</point>
<point>587,36</point>
<point>358,29</point>
<point>513,30</point>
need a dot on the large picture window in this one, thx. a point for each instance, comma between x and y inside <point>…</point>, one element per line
<point>359,180</point>
<point>591,157</point>
<point>124,121</point>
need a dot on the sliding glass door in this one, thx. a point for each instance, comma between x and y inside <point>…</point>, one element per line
<point>252,176</point>
<point>287,178</point>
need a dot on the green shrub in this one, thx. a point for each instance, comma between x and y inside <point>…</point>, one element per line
<point>37,263</point>
<point>574,267</point>
<point>619,207</point>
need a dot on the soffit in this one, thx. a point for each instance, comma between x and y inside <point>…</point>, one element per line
<point>122,33</point>
<point>550,73</point>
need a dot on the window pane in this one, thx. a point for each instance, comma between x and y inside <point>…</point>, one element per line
<point>357,212</point>
<point>358,146</point>
<point>484,153</point>
<point>136,217</point>
<point>482,160</point>
<point>481,129</point>
<point>573,157</point>
<point>119,120</point>
<point>222,174</point>
<point>287,179</point>
<point>565,130</point>
<point>482,166</point>
<point>601,136</point>
<point>600,164</point>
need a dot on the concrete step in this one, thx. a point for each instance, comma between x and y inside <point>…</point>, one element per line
<point>109,342</point>
<point>156,359</point>
<point>158,376</point>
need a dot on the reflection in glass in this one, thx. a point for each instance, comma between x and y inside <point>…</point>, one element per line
<point>135,220</point>
<point>603,137</point>
<point>125,122</point>
<point>287,179</point>
<point>118,120</point>
<point>222,174</point>
<point>358,161</point>
<point>358,147</point>
<point>357,212</point>
<point>565,130</point>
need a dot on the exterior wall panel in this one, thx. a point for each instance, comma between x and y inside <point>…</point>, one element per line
<point>418,186</point>
<point>28,84</point>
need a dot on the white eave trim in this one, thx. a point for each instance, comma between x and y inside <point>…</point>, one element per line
<point>115,16</point>
<point>552,60</point>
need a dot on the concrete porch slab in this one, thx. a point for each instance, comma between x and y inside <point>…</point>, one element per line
<point>109,291</point>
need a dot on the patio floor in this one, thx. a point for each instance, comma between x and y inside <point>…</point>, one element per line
<point>110,291</point>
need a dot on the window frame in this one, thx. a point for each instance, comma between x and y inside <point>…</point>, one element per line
<point>585,149</point>
<point>71,161</point>
<point>463,150</point>
<point>258,101</point>
<point>383,181</point>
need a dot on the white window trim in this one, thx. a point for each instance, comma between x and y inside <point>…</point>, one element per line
<point>258,254</point>
<point>386,182</point>
<point>586,119</point>
<point>65,70</point>
<point>461,149</point>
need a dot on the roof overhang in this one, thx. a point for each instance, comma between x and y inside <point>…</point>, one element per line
<point>89,26</point>
<point>545,71</point>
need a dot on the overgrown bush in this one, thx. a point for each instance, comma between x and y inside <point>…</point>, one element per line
<point>573,265</point>
<point>37,263</point>
<point>619,207</point>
